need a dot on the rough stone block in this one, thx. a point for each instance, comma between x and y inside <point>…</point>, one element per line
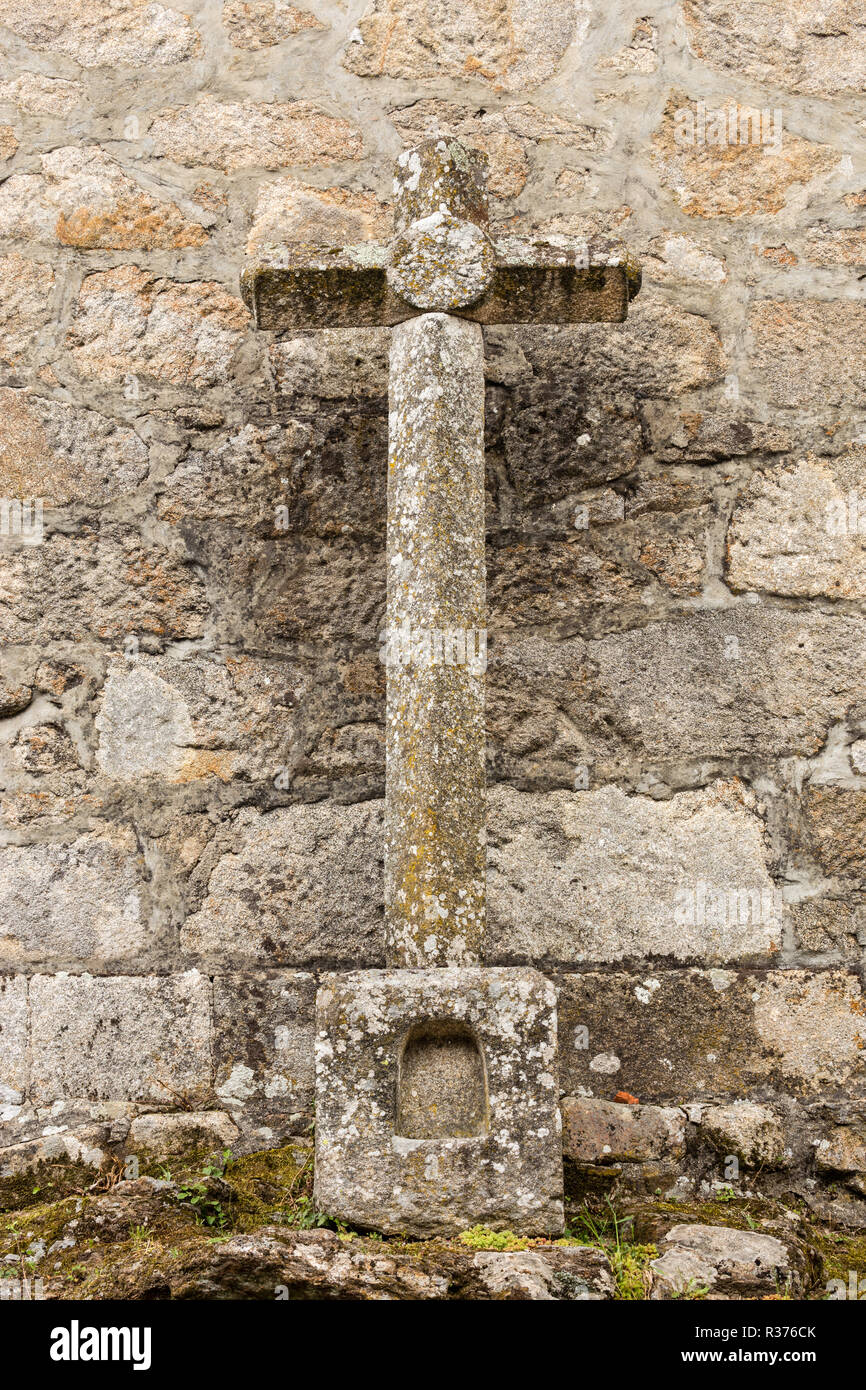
<point>177,1133</point>
<point>131,1037</point>
<point>601,1131</point>
<point>739,178</point>
<point>535,581</point>
<point>835,828</point>
<point>675,259</point>
<point>129,321</point>
<point>843,1150</point>
<point>230,477</point>
<point>53,450</point>
<point>43,781</point>
<point>85,199</point>
<point>333,364</point>
<point>102,585</point>
<point>791,532</point>
<point>462,1059</point>
<point>264,1049</point>
<point>321,1265</point>
<point>685,1034</point>
<point>822,925</point>
<point>39,95</point>
<point>299,886</point>
<point>86,1145</point>
<point>752,1133</point>
<point>96,33</point>
<point>640,54</point>
<point>808,352</point>
<point>829,246</point>
<point>303,592</point>
<point>191,717</point>
<point>287,210</point>
<point>511,45</point>
<point>235,135</point>
<point>26,305</point>
<point>28,1132</point>
<point>14,1061</point>
<point>81,901</point>
<point>713,436</point>
<point>145,727</point>
<point>264,23</point>
<point>576,1274</point>
<point>811,47</point>
<point>779,679</point>
<point>661,350</point>
<point>598,875</point>
<point>725,1262</point>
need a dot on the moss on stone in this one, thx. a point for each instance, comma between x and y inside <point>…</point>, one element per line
<point>840,1251</point>
<point>482,1238</point>
<point>50,1180</point>
<point>39,1224</point>
<point>161,1245</point>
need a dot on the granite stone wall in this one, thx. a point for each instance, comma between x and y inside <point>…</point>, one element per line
<point>192,573</point>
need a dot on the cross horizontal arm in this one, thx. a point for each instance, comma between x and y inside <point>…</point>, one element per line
<point>557,280</point>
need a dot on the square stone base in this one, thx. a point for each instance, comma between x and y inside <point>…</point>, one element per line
<point>436,1101</point>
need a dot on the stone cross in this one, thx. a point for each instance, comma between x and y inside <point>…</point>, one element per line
<point>436,1099</point>
<point>442,277</point>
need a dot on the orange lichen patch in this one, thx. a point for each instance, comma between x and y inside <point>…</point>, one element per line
<point>133,224</point>
<point>474,68</point>
<point>28,466</point>
<point>210,198</point>
<point>8,142</point>
<point>255,24</point>
<point>780,254</point>
<point>163,591</point>
<point>712,174</point>
<point>200,763</point>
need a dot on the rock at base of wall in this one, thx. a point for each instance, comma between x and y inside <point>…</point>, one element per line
<point>718,1262</point>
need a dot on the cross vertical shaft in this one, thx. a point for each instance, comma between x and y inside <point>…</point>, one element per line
<point>436,650</point>
<point>436,1096</point>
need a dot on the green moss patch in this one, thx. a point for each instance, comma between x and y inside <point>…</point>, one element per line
<point>88,1244</point>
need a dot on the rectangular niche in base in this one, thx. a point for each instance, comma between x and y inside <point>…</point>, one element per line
<point>436,1101</point>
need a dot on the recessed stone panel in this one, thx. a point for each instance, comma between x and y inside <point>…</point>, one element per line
<point>436,1101</point>
<point>441,1084</point>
